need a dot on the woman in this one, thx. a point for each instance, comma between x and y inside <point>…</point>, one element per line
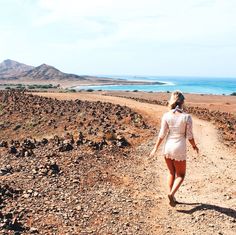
<point>178,125</point>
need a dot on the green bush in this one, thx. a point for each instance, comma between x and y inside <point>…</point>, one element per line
<point>234,94</point>
<point>44,86</point>
<point>31,87</point>
<point>72,90</point>
<point>90,90</point>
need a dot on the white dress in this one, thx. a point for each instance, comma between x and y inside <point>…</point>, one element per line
<point>178,128</point>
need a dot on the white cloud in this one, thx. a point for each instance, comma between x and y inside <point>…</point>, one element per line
<point>162,30</point>
<point>162,21</point>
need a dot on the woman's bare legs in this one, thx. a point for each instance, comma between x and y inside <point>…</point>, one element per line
<point>171,173</point>
<point>180,169</point>
<point>175,177</point>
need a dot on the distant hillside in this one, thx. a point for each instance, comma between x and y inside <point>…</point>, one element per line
<point>13,70</point>
<point>10,69</point>
<point>47,72</point>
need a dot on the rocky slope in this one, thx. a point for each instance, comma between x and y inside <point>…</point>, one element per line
<point>10,69</point>
<point>59,163</point>
<point>46,72</point>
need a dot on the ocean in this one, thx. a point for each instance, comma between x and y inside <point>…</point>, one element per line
<point>198,85</point>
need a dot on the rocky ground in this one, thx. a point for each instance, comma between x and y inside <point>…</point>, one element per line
<point>78,180</point>
<point>58,161</point>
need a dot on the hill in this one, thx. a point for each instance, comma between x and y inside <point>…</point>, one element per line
<point>47,72</point>
<point>10,69</point>
<point>13,72</point>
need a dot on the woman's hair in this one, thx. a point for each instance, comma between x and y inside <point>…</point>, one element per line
<point>177,98</point>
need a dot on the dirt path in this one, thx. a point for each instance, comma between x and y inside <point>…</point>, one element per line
<point>208,194</point>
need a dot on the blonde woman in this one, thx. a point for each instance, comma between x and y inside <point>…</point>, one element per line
<point>177,125</point>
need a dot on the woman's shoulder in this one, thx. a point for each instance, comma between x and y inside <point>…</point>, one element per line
<point>167,113</point>
<point>187,116</point>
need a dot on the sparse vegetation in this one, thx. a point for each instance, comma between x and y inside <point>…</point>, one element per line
<point>72,90</point>
<point>233,94</point>
<point>44,86</point>
<point>90,90</point>
<point>1,109</point>
<point>20,86</point>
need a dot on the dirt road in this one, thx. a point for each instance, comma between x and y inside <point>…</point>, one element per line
<point>208,194</point>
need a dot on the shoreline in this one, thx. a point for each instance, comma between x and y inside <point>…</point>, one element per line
<point>73,83</point>
<point>120,84</point>
<point>78,86</point>
<point>87,87</point>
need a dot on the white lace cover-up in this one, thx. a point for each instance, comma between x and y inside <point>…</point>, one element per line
<point>178,128</point>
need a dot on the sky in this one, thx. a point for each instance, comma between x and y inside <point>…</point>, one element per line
<point>122,37</point>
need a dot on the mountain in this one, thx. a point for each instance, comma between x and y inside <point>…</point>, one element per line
<point>12,69</point>
<point>47,72</point>
<point>14,72</point>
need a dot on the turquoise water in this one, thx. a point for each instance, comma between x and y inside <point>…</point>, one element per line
<point>198,85</point>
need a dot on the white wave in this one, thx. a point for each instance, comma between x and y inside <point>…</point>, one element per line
<point>168,83</point>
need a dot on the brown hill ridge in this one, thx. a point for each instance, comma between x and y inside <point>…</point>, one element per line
<point>10,69</point>
<point>46,72</point>
<point>14,72</point>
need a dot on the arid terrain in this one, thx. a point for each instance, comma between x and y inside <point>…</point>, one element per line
<point>79,164</point>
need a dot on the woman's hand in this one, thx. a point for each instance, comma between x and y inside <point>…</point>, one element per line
<point>196,148</point>
<point>153,152</point>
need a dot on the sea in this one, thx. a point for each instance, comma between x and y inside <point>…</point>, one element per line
<point>197,85</point>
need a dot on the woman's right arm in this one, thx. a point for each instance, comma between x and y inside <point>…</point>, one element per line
<point>161,135</point>
<point>192,142</point>
<point>189,133</point>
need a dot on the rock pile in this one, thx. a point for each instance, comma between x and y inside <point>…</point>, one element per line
<point>59,164</point>
<point>25,115</point>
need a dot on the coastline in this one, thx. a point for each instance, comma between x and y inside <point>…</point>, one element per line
<point>223,86</point>
<point>71,84</point>
<point>115,83</point>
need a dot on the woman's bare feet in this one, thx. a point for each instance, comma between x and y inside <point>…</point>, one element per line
<point>172,200</point>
